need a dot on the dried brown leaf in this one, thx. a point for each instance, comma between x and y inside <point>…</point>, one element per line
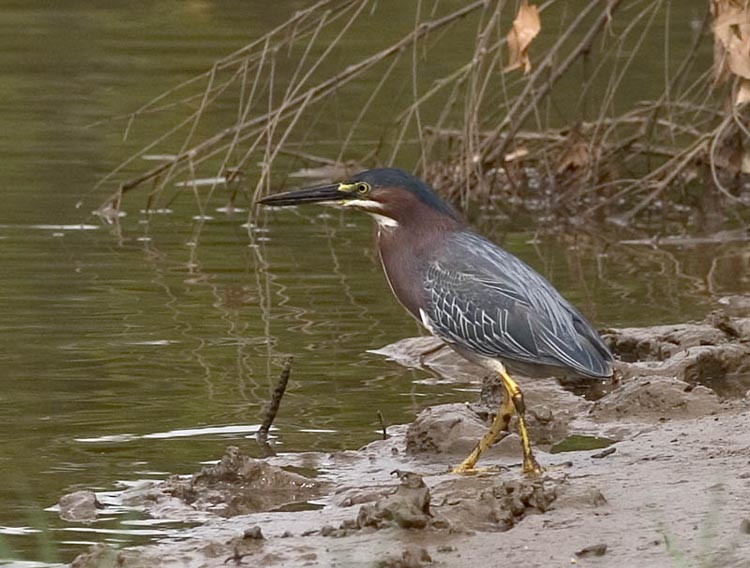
<point>575,157</point>
<point>526,27</point>
<point>743,93</point>
<point>731,29</point>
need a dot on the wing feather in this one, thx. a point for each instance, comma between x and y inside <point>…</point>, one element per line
<point>484,298</point>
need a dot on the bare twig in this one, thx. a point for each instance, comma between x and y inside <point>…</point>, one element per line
<point>462,129</point>
<point>382,425</point>
<point>291,105</point>
<point>496,146</point>
<point>273,406</point>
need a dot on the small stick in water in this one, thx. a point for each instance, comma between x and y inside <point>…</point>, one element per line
<point>273,407</point>
<point>382,424</point>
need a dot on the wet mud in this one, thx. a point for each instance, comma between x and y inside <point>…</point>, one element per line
<point>239,485</point>
<point>670,485</point>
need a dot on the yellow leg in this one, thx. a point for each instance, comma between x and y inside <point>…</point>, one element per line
<point>530,464</point>
<point>512,400</point>
<point>499,424</point>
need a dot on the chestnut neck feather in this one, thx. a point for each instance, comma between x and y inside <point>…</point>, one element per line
<point>407,248</point>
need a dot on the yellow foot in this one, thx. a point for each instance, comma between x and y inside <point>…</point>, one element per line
<point>461,469</point>
<point>467,466</point>
<point>532,468</point>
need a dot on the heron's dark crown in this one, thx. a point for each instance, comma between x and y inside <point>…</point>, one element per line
<point>399,179</point>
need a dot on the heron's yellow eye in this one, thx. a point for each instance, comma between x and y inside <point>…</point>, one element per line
<point>362,188</point>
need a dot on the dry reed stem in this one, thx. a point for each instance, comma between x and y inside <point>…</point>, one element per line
<point>626,160</point>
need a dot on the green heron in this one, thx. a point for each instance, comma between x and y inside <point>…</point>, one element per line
<point>482,301</point>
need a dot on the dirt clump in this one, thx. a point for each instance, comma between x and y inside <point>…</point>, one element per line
<point>735,306</point>
<point>489,503</point>
<point>689,351</point>
<point>411,557</point>
<point>481,503</point>
<point>714,353</point>
<point>655,398</point>
<point>79,506</point>
<point>407,508</point>
<point>100,555</point>
<point>237,485</point>
<point>658,343</point>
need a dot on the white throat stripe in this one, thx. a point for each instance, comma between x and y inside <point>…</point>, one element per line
<point>383,221</point>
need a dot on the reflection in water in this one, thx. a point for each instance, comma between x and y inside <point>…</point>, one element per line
<point>249,429</point>
<point>620,284</point>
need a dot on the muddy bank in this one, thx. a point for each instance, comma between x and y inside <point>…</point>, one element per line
<point>670,484</point>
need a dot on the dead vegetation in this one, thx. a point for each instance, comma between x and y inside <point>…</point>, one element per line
<point>552,109</point>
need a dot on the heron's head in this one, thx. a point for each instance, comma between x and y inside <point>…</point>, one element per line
<point>392,196</point>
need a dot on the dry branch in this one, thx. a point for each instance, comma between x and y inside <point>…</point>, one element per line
<point>479,133</point>
<point>273,406</point>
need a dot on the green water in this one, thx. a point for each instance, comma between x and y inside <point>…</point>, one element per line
<point>135,355</point>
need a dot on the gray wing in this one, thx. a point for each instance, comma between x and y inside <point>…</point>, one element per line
<point>487,300</point>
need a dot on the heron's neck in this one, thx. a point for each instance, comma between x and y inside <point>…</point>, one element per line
<point>406,247</point>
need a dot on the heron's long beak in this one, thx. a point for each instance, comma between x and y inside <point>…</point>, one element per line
<point>318,194</point>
